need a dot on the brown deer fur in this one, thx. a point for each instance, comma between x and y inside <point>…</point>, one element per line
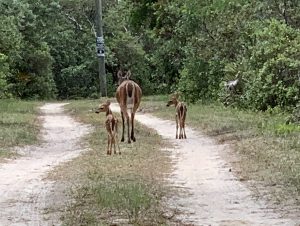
<point>128,95</point>
<point>180,115</point>
<point>111,125</point>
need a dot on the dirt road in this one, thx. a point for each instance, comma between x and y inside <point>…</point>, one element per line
<point>210,193</point>
<point>25,196</point>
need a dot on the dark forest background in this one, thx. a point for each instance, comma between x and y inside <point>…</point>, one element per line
<point>47,49</point>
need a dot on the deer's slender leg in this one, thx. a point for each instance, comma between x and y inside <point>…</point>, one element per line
<point>184,135</point>
<point>111,144</point>
<point>176,117</point>
<point>117,136</point>
<point>184,125</point>
<point>180,129</point>
<point>125,116</point>
<point>128,128</point>
<point>179,122</point>
<point>132,126</point>
<point>114,143</point>
<point>107,152</point>
<point>123,126</point>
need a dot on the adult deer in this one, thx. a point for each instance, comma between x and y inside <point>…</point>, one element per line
<point>128,95</point>
<point>180,115</point>
<point>111,125</point>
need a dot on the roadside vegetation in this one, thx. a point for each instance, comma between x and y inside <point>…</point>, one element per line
<point>267,149</point>
<point>18,125</point>
<point>117,189</point>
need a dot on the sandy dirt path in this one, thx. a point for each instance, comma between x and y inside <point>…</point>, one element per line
<point>25,195</point>
<point>210,193</point>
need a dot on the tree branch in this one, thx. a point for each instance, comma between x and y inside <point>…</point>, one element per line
<point>93,30</point>
<point>207,31</point>
<point>71,18</point>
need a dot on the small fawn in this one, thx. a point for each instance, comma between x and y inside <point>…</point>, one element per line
<point>180,115</point>
<point>111,125</point>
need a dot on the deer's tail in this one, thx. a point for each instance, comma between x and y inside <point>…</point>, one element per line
<point>130,95</point>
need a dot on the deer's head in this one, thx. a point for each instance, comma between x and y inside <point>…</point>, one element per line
<point>173,100</point>
<point>103,107</point>
<point>122,78</point>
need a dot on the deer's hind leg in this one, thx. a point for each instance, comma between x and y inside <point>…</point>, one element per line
<point>114,143</point>
<point>123,126</point>
<point>125,116</point>
<point>183,123</point>
<point>183,126</point>
<point>184,135</point>
<point>180,129</point>
<point>128,129</point>
<point>108,144</point>
<point>132,126</point>
<point>176,118</point>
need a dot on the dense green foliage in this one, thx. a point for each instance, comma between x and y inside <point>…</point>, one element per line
<point>47,49</point>
<point>201,45</point>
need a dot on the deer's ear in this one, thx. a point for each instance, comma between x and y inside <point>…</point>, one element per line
<point>119,74</point>
<point>176,95</point>
<point>108,102</point>
<point>128,74</point>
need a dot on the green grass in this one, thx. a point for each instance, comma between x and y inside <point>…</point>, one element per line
<point>18,125</point>
<point>119,188</point>
<point>268,150</point>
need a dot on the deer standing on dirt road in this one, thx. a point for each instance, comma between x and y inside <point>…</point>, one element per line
<point>111,125</point>
<point>128,95</point>
<point>180,115</point>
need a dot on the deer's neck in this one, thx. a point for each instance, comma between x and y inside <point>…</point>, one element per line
<point>176,103</point>
<point>108,112</point>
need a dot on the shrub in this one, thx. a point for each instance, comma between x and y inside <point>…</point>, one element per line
<point>271,68</point>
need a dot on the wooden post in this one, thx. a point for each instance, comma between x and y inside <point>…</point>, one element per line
<point>100,48</point>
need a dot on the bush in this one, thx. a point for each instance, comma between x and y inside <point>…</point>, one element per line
<point>200,80</point>
<point>271,68</point>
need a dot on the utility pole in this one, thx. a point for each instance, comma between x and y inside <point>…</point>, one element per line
<point>100,48</point>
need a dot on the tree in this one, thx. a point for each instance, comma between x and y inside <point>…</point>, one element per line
<point>4,70</point>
